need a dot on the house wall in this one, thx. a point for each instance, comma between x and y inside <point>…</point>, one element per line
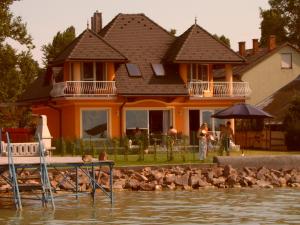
<point>183,72</point>
<point>267,77</point>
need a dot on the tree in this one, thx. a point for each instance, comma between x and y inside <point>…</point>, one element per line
<point>17,69</point>
<point>223,39</point>
<point>12,27</point>
<point>272,24</point>
<point>60,42</point>
<point>286,24</point>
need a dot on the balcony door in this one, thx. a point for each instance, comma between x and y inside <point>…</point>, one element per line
<point>94,71</point>
<point>198,72</point>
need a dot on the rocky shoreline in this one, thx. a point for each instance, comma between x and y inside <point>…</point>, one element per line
<point>173,178</point>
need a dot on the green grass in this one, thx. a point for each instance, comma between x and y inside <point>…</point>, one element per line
<point>188,157</point>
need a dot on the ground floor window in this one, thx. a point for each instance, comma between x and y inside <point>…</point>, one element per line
<point>150,122</point>
<point>94,123</point>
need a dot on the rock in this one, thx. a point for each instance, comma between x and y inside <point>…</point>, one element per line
<point>171,186</point>
<point>203,183</point>
<point>119,184</point>
<point>295,185</point>
<point>83,179</point>
<point>277,172</point>
<point>157,175</point>
<point>228,170</point>
<point>67,185</point>
<point>249,172</point>
<point>262,172</point>
<point>59,178</point>
<point>5,187</point>
<point>250,180</point>
<point>187,188</point>
<point>147,186</point>
<point>53,183</point>
<point>282,181</point>
<point>170,178</point>
<point>287,177</point>
<point>133,184</point>
<point>217,171</point>
<point>158,187</point>
<point>182,180</point>
<point>295,178</point>
<point>104,179</point>
<point>117,174</point>
<point>194,180</point>
<point>231,180</point>
<point>147,169</point>
<point>264,184</point>
<point>209,176</point>
<point>218,181</point>
<point>140,177</point>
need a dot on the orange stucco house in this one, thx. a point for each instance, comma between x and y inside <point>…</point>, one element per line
<point>133,73</point>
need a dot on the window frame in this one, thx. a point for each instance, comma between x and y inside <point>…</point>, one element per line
<point>157,70</point>
<point>291,61</point>
<point>130,72</point>
<point>108,123</point>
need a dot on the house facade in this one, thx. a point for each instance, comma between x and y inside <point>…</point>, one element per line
<point>268,69</point>
<point>133,73</point>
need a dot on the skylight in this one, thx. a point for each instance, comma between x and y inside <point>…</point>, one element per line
<point>158,69</point>
<point>133,70</point>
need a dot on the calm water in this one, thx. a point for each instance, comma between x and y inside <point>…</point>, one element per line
<point>246,206</point>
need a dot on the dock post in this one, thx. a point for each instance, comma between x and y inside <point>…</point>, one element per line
<point>93,183</point>
<point>76,182</point>
<point>111,183</point>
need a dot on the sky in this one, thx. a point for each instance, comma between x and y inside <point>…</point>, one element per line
<point>236,19</point>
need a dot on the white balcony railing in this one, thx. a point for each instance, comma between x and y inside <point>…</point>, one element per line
<point>84,89</point>
<point>219,89</point>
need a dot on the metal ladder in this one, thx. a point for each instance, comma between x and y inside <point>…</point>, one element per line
<point>46,189</point>
<point>13,176</point>
<point>45,182</point>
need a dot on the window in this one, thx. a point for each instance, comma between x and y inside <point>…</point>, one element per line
<point>198,72</point>
<point>94,123</point>
<point>286,60</point>
<point>158,69</point>
<point>133,70</point>
<point>88,71</point>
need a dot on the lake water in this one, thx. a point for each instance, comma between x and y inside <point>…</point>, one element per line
<point>208,206</point>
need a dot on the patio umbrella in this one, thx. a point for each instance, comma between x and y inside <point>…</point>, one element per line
<point>242,111</point>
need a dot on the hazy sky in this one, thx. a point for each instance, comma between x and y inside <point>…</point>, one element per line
<point>237,19</point>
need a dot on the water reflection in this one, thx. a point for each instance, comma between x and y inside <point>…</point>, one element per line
<point>234,206</point>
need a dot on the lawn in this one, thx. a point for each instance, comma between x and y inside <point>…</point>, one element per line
<point>187,157</point>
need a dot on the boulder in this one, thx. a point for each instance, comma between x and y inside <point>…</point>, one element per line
<point>171,186</point>
<point>203,183</point>
<point>217,171</point>
<point>228,170</point>
<point>295,178</point>
<point>147,186</point>
<point>158,187</point>
<point>264,184</point>
<point>157,175</point>
<point>261,173</point>
<point>249,172</point>
<point>117,174</point>
<point>133,184</point>
<point>219,181</point>
<point>194,180</point>
<point>182,180</point>
<point>282,181</point>
<point>170,178</point>
<point>232,180</point>
<point>140,177</point>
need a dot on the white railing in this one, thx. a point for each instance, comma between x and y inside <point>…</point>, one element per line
<point>84,89</point>
<point>22,149</point>
<point>219,89</point>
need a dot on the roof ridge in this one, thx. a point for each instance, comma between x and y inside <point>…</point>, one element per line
<point>218,40</point>
<point>110,25</point>
<point>189,31</point>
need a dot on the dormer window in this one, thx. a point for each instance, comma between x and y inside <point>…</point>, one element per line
<point>158,69</point>
<point>286,60</point>
<point>133,70</point>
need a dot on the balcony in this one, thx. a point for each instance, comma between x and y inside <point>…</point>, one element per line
<point>219,89</point>
<point>84,89</point>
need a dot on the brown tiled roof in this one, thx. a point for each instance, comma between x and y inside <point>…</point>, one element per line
<point>278,103</point>
<point>197,45</point>
<point>254,59</point>
<point>143,42</point>
<point>39,90</point>
<point>89,45</point>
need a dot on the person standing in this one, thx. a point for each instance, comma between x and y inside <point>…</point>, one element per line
<point>202,136</point>
<point>227,137</point>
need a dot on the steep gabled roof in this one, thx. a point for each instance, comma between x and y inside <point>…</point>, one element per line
<point>261,55</point>
<point>143,42</point>
<point>89,45</point>
<point>279,102</point>
<point>197,45</point>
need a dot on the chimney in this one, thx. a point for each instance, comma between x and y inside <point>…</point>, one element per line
<point>242,48</point>
<point>96,22</point>
<point>272,42</point>
<point>255,46</point>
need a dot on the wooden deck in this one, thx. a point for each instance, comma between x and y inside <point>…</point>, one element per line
<point>52,161</point>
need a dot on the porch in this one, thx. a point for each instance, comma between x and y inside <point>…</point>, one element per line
<point>219,89</point>
<point>84,89</point>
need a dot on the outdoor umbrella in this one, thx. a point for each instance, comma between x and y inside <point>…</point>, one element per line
<point>242,111</point>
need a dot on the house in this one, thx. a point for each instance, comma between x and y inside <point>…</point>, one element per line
<point>268,69</point>
<point>133,73</point>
